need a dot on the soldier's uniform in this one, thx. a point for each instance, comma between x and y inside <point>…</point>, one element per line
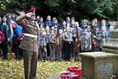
<point>29,45</point>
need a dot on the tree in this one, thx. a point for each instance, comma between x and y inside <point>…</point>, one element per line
<point>61,8</point>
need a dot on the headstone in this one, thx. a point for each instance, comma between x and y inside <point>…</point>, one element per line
<point>98,65</point>
<point>111,45</point>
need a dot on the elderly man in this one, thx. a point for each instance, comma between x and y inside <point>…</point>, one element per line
<point>29,44</point>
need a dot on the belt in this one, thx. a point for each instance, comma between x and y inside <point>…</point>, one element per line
<point>30,35</point>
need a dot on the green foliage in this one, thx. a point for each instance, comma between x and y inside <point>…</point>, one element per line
<point>98,8</point>
<point>101,8</point>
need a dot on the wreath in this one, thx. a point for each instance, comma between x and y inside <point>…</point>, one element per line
<point>2,37</point>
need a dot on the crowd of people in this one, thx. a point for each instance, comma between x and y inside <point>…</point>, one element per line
<point>58,39</point>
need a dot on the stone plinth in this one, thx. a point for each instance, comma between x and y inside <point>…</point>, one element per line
<point>111,45</point>
<point>98,65</point>
<point>114,33</point>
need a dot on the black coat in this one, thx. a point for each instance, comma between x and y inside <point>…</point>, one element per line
<point>5,29</point>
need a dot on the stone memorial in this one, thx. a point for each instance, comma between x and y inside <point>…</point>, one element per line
<point>111,45</point>
<point>98,65</point>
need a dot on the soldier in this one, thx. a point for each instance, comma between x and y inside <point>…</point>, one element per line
<point>29,44</point>
<point>85,41</point>
<point>67,37</point>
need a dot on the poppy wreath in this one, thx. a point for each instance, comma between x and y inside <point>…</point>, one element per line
<point>21,37</point>
<point>75,70</point>
<point>2,37</point>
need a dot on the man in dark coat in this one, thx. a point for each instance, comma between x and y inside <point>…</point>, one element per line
<point>5,29</point>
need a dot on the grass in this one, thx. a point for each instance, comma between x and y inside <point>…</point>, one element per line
<point>14,69</point>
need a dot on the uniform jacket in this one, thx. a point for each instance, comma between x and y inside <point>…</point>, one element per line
<point>29,43</point>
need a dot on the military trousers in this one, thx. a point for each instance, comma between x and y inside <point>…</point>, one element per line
<point>30,64</point>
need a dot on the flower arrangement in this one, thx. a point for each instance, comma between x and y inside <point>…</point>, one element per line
<point>72,73</point>
<point>114,77</point>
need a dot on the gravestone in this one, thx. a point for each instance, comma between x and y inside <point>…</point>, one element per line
<point>111,45</point>
<point>98,65</point>
<point>102,65</point>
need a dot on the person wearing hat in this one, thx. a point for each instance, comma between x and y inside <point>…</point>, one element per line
<point>29,44</point>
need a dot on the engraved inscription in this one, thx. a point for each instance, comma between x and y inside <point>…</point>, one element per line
<point>105,69</point>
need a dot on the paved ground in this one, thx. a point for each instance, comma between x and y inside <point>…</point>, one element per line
<point>56,76</point>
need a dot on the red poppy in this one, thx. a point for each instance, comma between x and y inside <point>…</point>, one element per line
<point>21,37</point>
<point>2,37</point>
<point>43,36</point>
<point>13,25</point>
